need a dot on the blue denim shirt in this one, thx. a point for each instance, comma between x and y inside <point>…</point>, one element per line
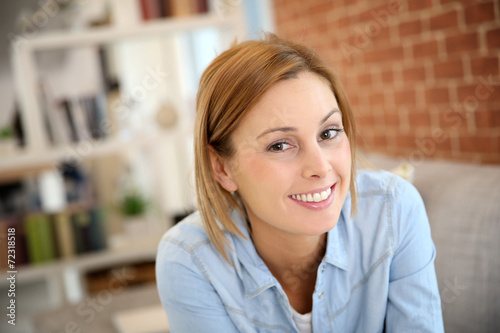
<point>377,273</point>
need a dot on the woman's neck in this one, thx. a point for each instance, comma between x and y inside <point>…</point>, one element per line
<point>293,260</point>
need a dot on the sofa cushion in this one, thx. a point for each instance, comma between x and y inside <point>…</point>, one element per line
<point>463,205</point>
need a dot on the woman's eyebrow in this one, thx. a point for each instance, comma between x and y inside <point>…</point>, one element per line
<point>293,129</point>
<point>277,129</point>
<point>329,115</point>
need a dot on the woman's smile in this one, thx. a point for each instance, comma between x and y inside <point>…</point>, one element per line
<point>315,199</point>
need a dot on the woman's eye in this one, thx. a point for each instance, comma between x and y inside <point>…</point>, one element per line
<point>330,133</point>
<point>278,146</point>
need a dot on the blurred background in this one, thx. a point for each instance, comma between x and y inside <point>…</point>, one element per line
<point>96,126</point>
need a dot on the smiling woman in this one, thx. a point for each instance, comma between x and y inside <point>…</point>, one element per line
<point>288,238</point>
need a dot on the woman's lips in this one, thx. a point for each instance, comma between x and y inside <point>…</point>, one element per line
<point>324,203</point>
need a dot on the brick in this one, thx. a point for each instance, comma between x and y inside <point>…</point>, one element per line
<point>479,13</point>
<point>405,141</point>
<point>379,140</point>
<point>419,119</point>
<point>389,54</point>
<point>495,120</point>
<point>437,95</point>
<point>343,22</point>
<point>444,21</point>
<point>414,74</point>
<point>462,42</point>
<point>387,76</point>
<point>391,120</point>
<point>365,119</point>
<point>377,98</point>
<point>473,94</point>
<point>405,97</point>
<point>449,69</point>
<point>410,28</point>
<point>385,14</point>
<point>493,38</point>
<point>487,119</point>
<point>365,79</point>
<point>484,66</point>
<point>433,142</point>
<point>453,118</point>
<point>321,7</point>
<point>419,5</point>
<point>475,143</point>
<point>425,49</point>
<point>461,2</point>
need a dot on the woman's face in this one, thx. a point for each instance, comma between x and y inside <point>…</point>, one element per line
<point>293,161</point>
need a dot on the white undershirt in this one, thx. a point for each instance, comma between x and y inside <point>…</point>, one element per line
<point>303,321</point>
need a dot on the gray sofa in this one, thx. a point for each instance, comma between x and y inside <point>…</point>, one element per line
<point>463,205</point>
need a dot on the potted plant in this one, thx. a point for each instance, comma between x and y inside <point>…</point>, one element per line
<point>7,142</point>
<point>134,207</point>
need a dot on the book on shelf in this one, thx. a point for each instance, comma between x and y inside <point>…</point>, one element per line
<point>89,232</point>
<point>97,230</point>
<point>40,238</point>
<point>157,9</point>
<point>43,237</point>
<point>64,235</point>
<point>81,113</point>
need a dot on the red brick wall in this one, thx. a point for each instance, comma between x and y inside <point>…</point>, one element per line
<point>422,75</point>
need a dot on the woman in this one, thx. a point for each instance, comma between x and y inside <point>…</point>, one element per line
<point>287,237</point>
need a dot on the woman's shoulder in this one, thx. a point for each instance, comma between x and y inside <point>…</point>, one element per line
<point>382,182</point>
<point>188,233</point>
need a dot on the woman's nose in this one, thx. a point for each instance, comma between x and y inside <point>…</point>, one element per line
<point>315,162</point>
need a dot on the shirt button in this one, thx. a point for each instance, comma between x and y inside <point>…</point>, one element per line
<point>323,269</point>
<point>320,295</point>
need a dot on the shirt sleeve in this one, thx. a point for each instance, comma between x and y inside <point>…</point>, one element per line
<point>189,299</point>
<point>414,303</point>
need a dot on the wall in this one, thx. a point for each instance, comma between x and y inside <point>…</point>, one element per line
<point>422,75</point>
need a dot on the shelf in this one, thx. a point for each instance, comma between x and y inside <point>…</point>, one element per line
<point>20,164</point>
<point>139,250</point>
<point>94,36</point>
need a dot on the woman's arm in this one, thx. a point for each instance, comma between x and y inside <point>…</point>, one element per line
<point>414,303</point>
<point>189,299</point>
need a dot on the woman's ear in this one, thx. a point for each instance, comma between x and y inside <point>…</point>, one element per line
<point>221,170</point>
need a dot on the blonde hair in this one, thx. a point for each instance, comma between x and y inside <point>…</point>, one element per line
<point>229,88</point>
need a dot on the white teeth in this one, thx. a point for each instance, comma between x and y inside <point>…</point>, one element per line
<point>325,194</point>
<point>313,197</point>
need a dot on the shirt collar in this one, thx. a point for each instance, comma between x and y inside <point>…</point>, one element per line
<point>336,252</point>
<point>249,265</point>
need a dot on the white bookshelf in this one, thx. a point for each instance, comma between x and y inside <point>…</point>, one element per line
<point>26,81</point>
<point>160,27</point>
